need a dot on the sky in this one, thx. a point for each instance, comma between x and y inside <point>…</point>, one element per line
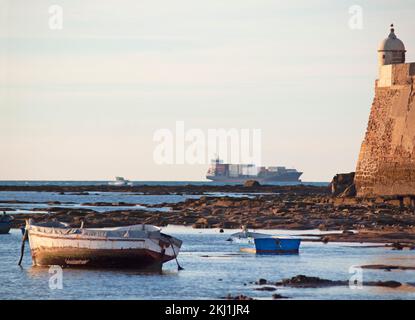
<point>83,102</point>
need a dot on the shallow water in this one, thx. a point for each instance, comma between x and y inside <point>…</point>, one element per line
<point>127,197</point>
<point>30,200</point>
<point>39,200</point>
<point>213,268</point>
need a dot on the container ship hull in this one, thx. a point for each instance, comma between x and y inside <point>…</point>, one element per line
<point>280,178</point>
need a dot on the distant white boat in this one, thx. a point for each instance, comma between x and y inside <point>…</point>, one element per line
<point>120,181</point>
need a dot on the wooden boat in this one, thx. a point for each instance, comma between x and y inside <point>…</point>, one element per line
<point>260,243</point>
<point>5,223</point>
<point>137,246</point>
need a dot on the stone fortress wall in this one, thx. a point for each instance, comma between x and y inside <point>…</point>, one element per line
<point>386,164</point>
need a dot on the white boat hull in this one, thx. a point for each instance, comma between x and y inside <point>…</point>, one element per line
<point>104,252</point>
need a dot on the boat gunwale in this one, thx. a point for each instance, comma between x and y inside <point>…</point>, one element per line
<point>81,237</point>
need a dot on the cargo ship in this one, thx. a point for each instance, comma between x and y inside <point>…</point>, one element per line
<point>239,173</point>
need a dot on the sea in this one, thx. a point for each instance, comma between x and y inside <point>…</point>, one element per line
<point>139,183</point>
<point>213,267</point>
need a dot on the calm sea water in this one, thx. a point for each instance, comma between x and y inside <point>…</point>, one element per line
<point>40,200</point>
<point>213,268</point>
<point>138,183</point>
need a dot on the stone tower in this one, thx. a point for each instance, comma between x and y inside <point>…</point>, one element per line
<point>391,50</point>
<point>386,164</point>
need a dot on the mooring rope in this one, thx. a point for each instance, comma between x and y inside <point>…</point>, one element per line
<point>175,256</point>
<point>22,247</point>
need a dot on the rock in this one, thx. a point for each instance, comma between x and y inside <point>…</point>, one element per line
<point>224,203</point>
<point>266,288</point>
<point>387,267</point>
<point>322,227</point>
<point>261,282</point>
<point>388,284</point>
<point>203,221</point>
<point>276,296</point>
<point>216,212</point>
<point>302,281</point>
<point>51,203</point>
<point>251,183</point>
<point>230,225</point>
<point>342,182</point>
<point>240,297</point>
<point>350,191</point>
<point>397,246</point>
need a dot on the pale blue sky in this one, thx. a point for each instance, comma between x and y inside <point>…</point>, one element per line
<point>83,102</point>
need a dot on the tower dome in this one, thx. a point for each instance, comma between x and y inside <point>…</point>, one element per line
<point>391,50</point>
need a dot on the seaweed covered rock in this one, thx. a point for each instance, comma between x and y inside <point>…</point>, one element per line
<point>343,185</point>
<point>238,297</point>
<point>251,183</point>
<point>302,281</point>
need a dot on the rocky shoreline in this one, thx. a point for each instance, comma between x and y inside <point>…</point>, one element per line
<point>297,207</point>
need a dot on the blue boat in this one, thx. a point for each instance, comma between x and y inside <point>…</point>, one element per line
<point>260,243</point>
